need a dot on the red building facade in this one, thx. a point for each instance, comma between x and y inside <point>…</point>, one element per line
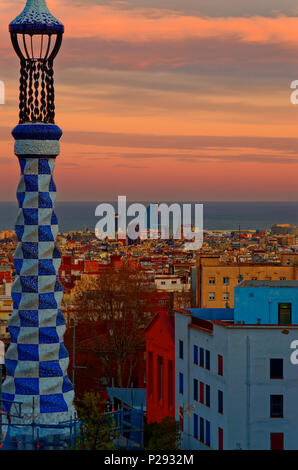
<point>160,367</point>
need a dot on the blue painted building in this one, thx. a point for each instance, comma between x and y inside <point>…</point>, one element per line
<point>266,302</point>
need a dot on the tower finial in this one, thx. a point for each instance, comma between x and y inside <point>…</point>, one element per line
<point>36,18</point>
<point>36,36</point>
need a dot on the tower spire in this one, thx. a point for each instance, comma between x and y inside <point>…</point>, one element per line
<point>36,360</point>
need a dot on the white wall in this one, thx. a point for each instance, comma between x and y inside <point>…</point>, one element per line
<point>246,384</point>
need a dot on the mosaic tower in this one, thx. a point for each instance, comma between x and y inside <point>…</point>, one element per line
<point>36,360</point>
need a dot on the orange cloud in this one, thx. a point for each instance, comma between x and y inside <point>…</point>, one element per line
<point>141,130</point>
<point>150,24</point>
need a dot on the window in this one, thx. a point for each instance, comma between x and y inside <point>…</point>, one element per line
<point>211,280</point>
<point>150,372</point>
<point>208,433</point>
<point>207,359</point>
<point>181,383</point>
<point>226,281</point>
<point>207,395</point>
<point>285,314</point>
<point>174,282</point>
<point>220,439</point>
<point>254,278</point>
<point>163,283</point>
<point>160,378</point>
<point>202,393</point>
<point>276,406</point>
<point>276,441</point>
<point>226,296</point>
<point>202,434</point>
<point>196,354</point>
<point>220,365</point>
<point>195,390</point>
<point>220,401</point>
<point>282,279</point>
<point>195,426</point>
<point>180,349</point>
<point>201,357</point>
<point>276,369</point>
<point>211,295</point>
<point>170,383</point>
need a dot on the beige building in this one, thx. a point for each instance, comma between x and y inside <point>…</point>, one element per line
<point>6,307</point>
<point>215,280</point>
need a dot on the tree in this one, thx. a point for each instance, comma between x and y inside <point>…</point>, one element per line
<point>97,430</point>
<point>122,301</point>
<point>162,436</point>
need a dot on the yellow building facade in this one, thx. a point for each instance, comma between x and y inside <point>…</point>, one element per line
<point>215,281</point>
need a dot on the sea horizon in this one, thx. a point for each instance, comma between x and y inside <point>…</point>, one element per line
<point>223,215</point>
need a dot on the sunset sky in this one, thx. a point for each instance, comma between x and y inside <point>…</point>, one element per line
<point>167,100</point>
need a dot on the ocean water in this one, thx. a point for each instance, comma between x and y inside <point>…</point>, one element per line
<point>217,215</point>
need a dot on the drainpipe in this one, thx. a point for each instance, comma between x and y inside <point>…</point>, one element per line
<point>247,393</point>
<point>269,303</point>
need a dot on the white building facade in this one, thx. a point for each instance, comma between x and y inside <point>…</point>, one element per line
<point>236,387</point>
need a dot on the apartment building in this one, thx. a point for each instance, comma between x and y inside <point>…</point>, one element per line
<point>235,384</point>
<point>215,281</point>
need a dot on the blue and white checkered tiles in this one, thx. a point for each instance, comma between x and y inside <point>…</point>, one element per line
<point>36,361</point>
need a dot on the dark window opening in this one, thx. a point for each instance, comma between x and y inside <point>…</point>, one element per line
<point>181,383</point>
<point>202,393</point>
<point>207,359</point>
<point>202,434</point>
<point>285,314</point>
<point>220,401</point>
<point>276,441</point>
<point>220,365</point>
<point>220,439</point>
<point>276,368</point>
<point>195,390</point>
<point>195,426</point>
<point>201,357</point>
<point>207,395</point>
<point>181,349</point>
<point>276,406</point>
<point>195,354</point>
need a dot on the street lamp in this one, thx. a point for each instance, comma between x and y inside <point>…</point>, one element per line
<point>36,36</point>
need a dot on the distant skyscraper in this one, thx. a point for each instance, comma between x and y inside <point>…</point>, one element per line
<point>36,360</point>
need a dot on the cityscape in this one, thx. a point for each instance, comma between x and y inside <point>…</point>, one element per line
<point>139,340</point>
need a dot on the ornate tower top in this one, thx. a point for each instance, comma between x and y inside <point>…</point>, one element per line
<point>36,36</point>
<point>36,17</point>
<point>36,361</point>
